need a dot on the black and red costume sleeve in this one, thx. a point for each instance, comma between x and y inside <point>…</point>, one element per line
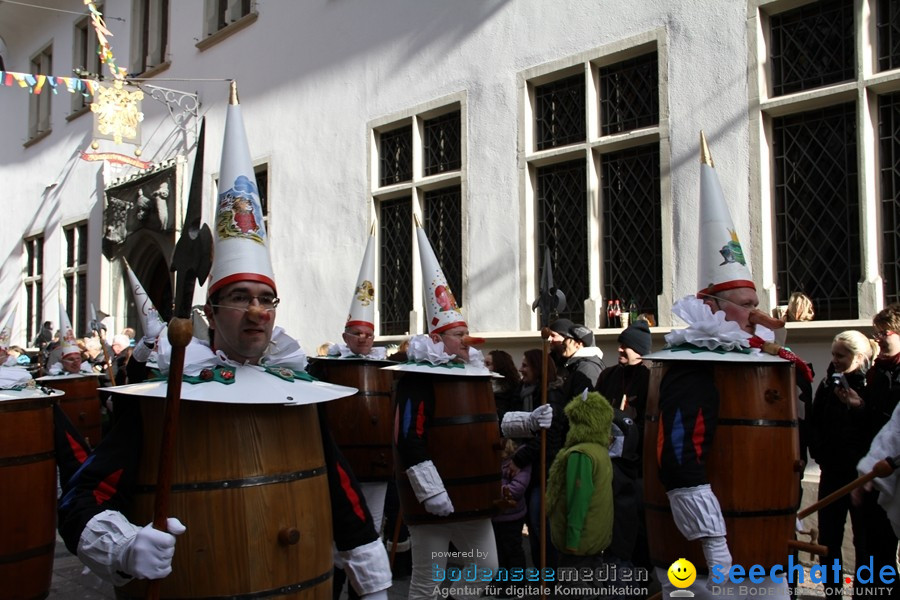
<point>415,408</point>
<point>689,411</point>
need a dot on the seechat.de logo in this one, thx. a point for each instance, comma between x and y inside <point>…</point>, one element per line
<point>681,575</point>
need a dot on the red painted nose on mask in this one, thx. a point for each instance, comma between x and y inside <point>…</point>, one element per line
<point>258,313</point>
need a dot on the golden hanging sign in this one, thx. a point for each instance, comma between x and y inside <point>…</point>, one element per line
<point>117,113</point>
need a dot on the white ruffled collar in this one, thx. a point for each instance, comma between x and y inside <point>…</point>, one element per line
<point>425,350</point>
<point>283,351</point>
<point>710,330</point>
<point>14,377</point>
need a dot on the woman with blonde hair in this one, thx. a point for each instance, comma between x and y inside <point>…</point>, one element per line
<point>841,435</point>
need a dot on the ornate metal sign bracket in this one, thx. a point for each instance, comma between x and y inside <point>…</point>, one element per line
<point>181,105</point>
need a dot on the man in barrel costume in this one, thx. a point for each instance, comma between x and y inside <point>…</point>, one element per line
<point>449,495</point>
<point>683,454</point>
<point>248,368</point>
<point>70,360</point>
<point>361,425</point>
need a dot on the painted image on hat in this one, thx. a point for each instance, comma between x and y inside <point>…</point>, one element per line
<point>732,251</point>
<point>445,299</point>
<point>365,292</point>
<point>239,214</point>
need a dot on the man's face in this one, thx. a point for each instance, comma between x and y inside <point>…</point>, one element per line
<point>736,304</point>
<point>454,342</point>
<point>570,346</point>
<point>557,342</point>
<point>243,327</point>
<point>888,341</point>
<point>359,338</point>
<point>71,362</point>
<point>627,356</point>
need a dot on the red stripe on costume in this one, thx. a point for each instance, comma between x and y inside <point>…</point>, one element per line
<point>352,496</point>
<point>698,435</point>
<point>77,450</point>
<point>107,487</point>
<point>660,440</point>
<point>420,420</point>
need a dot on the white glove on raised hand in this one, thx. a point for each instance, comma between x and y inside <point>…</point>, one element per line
<point>149,553</point>
<point>439,505</point>
<point>154,326</point>
<point>541,417</point>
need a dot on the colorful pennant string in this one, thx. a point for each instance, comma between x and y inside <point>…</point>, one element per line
<point>36,83</point>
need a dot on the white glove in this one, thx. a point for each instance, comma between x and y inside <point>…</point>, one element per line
<point>541,417</point>
<point>439,505</point>
<point>716,552</point>
<point>154,324</point>
<point>379,595</point>
<point>149,553</point>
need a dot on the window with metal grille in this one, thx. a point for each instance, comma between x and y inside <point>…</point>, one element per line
<point>812,46</point>
<point>889,134</point>
<point>395,290</point>
<point>888,26</point>
<point>34,285</point>
<point>222,13</point>
<point>395,156</point>
<point>561,198</point>
<point>632,226</point>
<point>441,144</point>
<point>149,34</point>
<point>39,104</point>
<point>629,97</point>
<point>817,209</point>
<point>75,276</point>
<point>559,113</point>
<point>443,226</point>
<point>262,185</point>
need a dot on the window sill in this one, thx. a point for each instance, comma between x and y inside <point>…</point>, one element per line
<point>75,114</point>
<point>37,138</point>
<point>153,71</point>
<point>227,31</point>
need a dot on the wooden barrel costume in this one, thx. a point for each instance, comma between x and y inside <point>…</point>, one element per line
<point>464,445</point>
<point>753,466</point>
<point>81,403</point>
<point>251,485</point>
<point>28,481</point>
<point>361,425</point>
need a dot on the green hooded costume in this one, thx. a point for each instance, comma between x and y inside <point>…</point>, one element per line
<point>579,491</point>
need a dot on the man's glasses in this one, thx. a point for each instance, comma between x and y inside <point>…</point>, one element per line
<point>363,335</point>
<point>880,335</point>
<point>242,301</point>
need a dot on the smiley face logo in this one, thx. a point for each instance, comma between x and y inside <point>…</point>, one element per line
<point>682,573</point>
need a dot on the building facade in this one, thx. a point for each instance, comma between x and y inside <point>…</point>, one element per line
<point>508,128</point>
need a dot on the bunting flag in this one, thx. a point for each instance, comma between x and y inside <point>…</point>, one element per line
<point>103,35</point>
<point>37,83</point>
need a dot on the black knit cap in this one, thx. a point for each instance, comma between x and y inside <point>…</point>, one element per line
<point>637,337</point>
<point>567,328</point>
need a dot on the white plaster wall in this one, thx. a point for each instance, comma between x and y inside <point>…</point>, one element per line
<point>313,74</point>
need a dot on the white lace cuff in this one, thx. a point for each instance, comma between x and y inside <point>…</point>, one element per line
<point>697,512</point>
<point>516,424</point>
<point>367,567</point>
<point>425,480</point>
<point>102,545</point>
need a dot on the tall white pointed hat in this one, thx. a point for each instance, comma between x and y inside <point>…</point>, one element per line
<point>722,263</point>
<point>443,311</point>
<point>142,301</point>
<point>241,244</point>
<point>362,305</point>
<point>67,340</point>
<point>7,331</point>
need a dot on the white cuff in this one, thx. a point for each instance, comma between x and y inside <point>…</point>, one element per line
<point>516,424</point>
<point>141,352</point>
<point>102,545</point>
<point>367,567</point>
<point>425,480</point>
<point>697,512</point>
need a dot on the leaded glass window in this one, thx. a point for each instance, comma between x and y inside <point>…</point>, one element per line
<point>395,156</point>
<point>559,112</point>
<point>443,226</point>
<point>888,26</point>
<point>632,226</point>
<point>812,46</point>
<point>396,262</point>
<point>889,133</point>
<point>441,144</point>
<point>562,227</point>
<point>817,209</point>
<point>629,97</point>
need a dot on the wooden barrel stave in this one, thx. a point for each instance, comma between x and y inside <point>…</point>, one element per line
<point>757,430</point>
<point>28,478</point>
<point>362,424</point>
<point>243,474</point>
<point>464,443</point>
<point>81,404</point>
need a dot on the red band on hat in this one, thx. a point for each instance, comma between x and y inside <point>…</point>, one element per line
<point>358,324</point>
<point>241,277</point>
<point>726,285</point>
<point>444,328</point>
